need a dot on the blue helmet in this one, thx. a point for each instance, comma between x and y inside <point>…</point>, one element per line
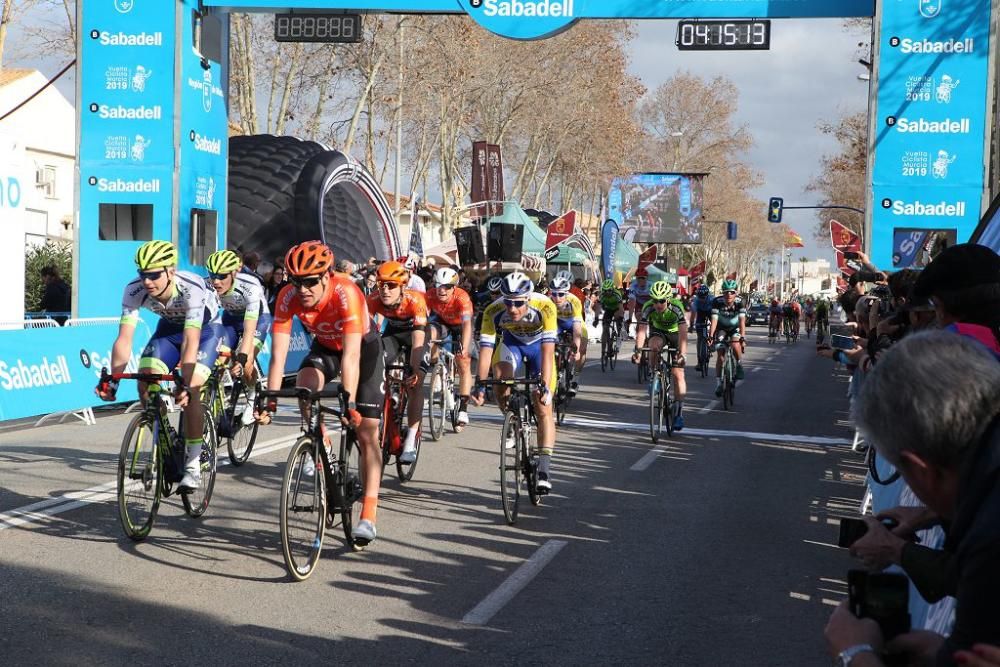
<point>703,290</point>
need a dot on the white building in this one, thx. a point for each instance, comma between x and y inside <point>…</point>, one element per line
<point>46,125</point>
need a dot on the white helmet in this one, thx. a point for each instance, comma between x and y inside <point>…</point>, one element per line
<point>516,284</point>
<point>560,283</point>
<point>445,276</point>
<point>565,274</point>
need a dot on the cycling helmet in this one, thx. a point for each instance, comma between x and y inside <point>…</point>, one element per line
<point>223,261</point>
<point>156,255</point>
<point>409,263</point>
<point>729,285</point>
<point>559,284</point>
<point>516,284</point>
<point>392,272</point>
<point>568,276</point>
<point>445,276</point>
<point>661,289</point>
<point>641,273</point>
<point>309,258</point>
<point>493,284</point>
<point>703,290</point>
<point>607,285</point>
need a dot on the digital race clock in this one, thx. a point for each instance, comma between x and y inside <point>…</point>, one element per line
<point>332,28</point>
<point>722,35</point>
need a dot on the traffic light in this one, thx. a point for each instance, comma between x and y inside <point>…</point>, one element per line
<point>731,231</point>
<point>774,208</point>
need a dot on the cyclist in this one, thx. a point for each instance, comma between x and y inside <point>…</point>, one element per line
<point>485,298</point>
<point>612,304</point>
<point>333,309</point>
<point>569,311</point>
<point>776,312</point>
<point>667,325</point>
<point>701,313</point>
<point>729,322</point>
<point>245,316</point>
<point>790,314</point>
<point>187,334</point>
<point>638,295</point>
<point>405,313</point>
<point>528,325</point>
<point>809,312</point>
<point>822,320</point>
<point>451,317</point>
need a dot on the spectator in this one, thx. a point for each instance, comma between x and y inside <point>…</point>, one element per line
<point>932,408</point>
<point>275,281</point>
<point>250,262</point>
<point>57,297</point>
<point>345,266</point>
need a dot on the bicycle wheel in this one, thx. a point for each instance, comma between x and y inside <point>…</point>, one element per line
<point>436,401</point>
<point>703,356</point>
<point>604,354</point>
<point>350,481</point>
<point>613,351</point>
<point>562,397</point>
<point>510,466</point>
<point>196,502</point>
<point>655,407</point>
<point>667,401</point>
<point>139,478</point>
<point>405,471</point>
<point>529,464</point>
<point>727,382</point>
<point>242,436</point>
<point>303,509</point>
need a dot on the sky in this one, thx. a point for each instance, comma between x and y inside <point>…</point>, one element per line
<point>809,75</point>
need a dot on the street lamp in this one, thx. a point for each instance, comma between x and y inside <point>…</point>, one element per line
<point>677,134</point>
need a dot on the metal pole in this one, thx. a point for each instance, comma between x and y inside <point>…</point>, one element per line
<point>399,127</point>
<point>781,284</point>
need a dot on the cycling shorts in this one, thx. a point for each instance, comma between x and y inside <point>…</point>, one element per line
<point>566,327</point>
<point>370,378</point>
<point>731,334</point>
<point>607,316</point>
<point>670,338</point>
<point>233,331</point>
<point>450,336</point>
<point>517,354</point>
<point>163,351</point>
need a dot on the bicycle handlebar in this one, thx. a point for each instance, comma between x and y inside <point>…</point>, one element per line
<point>512,382</point>
<point>174,377</point>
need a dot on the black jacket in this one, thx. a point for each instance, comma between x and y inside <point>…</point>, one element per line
<point>56,297</point>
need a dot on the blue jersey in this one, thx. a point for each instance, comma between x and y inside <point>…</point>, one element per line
<point>702,308</point>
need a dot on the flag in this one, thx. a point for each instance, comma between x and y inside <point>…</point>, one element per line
<point>793,240</point>
<point>841,285</point>
<point>842,264</point>
<point>416,239</point>
<point>843,239</point>
<point>697,271</point>
<point>648,256</point>
<point>560,229</point>
<point>609,243</point>
<point>480,178</point>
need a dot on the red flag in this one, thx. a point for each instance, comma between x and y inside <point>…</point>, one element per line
<point>697,270</point>
<point>561,229</point>
<point>842,264</point>
<point>843,239</point>
<point>648,256</point>
<point>793,240</point>
<point>842,285</point>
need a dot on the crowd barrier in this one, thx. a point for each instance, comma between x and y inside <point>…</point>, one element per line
<point>46,369</point>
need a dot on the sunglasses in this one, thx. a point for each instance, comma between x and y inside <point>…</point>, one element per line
<point>391,286</point>
<point>558,295</point>
<point>218,276</point>
<point>515,303</point>
<point>658,300</point>
<point>308,281</point>
<point>730,292</point>
<point>445,287</point>
<point>151,275</point>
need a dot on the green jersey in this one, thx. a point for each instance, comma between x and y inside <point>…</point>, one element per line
<point>669,320</point>
<point>822,310</point>
<point>612,299</point>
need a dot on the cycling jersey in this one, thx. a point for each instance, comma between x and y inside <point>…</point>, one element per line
<point>569,313</point>
<point>409,314</point>
<point>639,295</point>
<point>539,324</point>
<point>611,300</point>
<point>809,309</point>
<point>341,310</point>
<point>822,310</point>
<point>416,284</point>
<point>728,316</point>
<point>454,312</point>
<point>702,309</point>
<point>192,305</point>
<point>244,301</point>
<point>669,320</point>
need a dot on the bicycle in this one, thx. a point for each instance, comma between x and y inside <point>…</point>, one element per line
<point>441,402</point>
<point>809,327</point>
<point>316,487</point>
<point>642,367</point>
<point>394,418</point>
<point>822,330</point>
<point>728,373</point>
<point>152,459</point>
<point>773,329</point>
<point>519,463</point>
<point>661,395</point>
<point>231,420</point>
<point>610,346</point>
<point>704,353</point>
<point>788,331</point>
<point>564,379</point>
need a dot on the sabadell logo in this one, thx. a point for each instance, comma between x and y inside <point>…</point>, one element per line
<point>526,8</point>
<point>940,209</point>
<point>907,45</point>
<point>127,39</point>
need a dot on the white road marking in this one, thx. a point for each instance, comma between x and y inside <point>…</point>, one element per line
<point>708,408</point>
<point>649,457</point>
<point>521,577</point>
<point>757,368</point>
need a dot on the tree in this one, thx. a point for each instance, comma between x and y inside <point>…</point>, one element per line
<point>841,181</point>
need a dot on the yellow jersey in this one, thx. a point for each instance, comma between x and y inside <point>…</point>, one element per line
<point>539,324</point>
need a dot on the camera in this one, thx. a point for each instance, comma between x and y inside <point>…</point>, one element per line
<point>882,597</point>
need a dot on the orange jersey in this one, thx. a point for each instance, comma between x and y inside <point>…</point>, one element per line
<point>341,310</point>
<point>454,312</point>
<point>411,313</point>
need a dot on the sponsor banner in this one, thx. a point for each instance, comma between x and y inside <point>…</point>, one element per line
<point>609,243</point>
<point>843,239</point>
<point>480,178</point>
<point>530,19</point>
<point>915,248</point>
<point>14,183</point>
<point>931,127</point>
<point>560,229</point>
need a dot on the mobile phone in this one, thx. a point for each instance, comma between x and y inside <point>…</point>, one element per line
<point>850,254</point>
<point>881,596</point>
<point>842,342</point>
<point>851,530</point>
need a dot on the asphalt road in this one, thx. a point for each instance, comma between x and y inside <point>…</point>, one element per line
<point>714,549</point>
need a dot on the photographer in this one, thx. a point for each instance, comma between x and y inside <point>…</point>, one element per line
<point>943,435</point>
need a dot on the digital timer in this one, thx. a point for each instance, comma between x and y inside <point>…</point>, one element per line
<point>722,35</point>
<point>330,28</point>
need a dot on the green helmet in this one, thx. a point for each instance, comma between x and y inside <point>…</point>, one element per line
<point>661,289</point>
<point>729,285</point>
<point>155,255</point>
<point>223,261</point>
<point>608,284</point>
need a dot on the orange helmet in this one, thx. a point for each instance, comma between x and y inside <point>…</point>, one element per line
<point>392,272</point>
<point>309,259</point>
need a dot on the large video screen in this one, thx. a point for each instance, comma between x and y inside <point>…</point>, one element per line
<point>663,208</point>
<point>915,248</point>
